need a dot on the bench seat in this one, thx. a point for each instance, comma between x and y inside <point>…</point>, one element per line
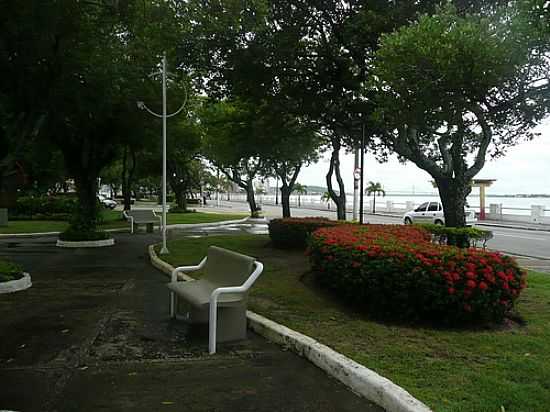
<point>224,287</point>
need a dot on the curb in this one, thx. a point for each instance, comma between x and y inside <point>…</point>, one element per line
<point>497,225</point>
<point>85,243</point>
<point>16,285</point>
<point>356,377</point>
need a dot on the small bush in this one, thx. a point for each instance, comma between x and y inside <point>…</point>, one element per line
<point>176,209</point>
<point>292,233</point>
<point>43,207</point>
<point>396,271</point>
<point>73,235</point>
<point>10,271</point>
<point>472,235</point>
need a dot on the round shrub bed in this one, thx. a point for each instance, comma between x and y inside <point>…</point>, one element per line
<point>12,277</point>
<point>73,238</point>
<point>395,271</point>
<point>292,233</point>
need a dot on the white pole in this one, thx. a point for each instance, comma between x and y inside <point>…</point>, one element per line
<point>356,187</point>
<point>164,249</point>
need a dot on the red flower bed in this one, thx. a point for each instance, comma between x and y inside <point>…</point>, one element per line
<point>292,233</point>
<point>394,270</point>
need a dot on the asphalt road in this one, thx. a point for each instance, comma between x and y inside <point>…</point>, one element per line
<point>520,242</point>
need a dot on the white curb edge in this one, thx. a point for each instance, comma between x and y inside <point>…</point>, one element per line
<point>85,243</point>
<point>355,376</point>
<point>16,285</point>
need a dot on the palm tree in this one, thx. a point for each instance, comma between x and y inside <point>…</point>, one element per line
<point>301,190</point>
<point>376,190</point>
<point>326,198</point>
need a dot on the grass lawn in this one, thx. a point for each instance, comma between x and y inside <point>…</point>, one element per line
<point>450,370</point>
<point>112,220</point>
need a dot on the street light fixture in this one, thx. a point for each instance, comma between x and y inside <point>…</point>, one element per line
<point>141,105</point>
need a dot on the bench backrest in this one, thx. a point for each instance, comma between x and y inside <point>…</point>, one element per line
<point>226,268</point>
<point>143,214</point>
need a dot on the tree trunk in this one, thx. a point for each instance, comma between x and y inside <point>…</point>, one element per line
<point>251,199</point>
<point>285,200</point>
<point>374,204</point>
<point>87,213</point>
<point>340,199</point>
<point>453,193</point>
<point>128,177</point>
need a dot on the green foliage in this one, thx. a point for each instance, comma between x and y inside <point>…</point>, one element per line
<point>9,271</point>
<point>394,271</point>
<point>471,235</point>
<point>73,234</point>
<point>176,209</point>
<point>293,233</point>
<point>43,207</point>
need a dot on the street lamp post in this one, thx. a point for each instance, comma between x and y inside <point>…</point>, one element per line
<point>141,105</point>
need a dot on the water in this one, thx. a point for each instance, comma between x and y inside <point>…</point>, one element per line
<point>511,205</point>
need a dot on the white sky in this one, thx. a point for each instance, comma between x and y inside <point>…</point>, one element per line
<point>524,169</point>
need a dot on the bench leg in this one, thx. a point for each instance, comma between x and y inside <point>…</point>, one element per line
<point>149,228</point>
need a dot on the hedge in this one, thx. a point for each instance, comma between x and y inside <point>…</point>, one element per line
<point>74,235</point>
<point>472,235</point>
<point>43,207</point>
<point>292,233</point>
<point>395,271</point>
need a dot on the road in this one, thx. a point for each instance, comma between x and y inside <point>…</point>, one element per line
<point>520,242</point>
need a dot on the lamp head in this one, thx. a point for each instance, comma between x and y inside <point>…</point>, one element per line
<point>140,105</point>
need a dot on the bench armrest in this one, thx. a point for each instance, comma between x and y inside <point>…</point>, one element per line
<point>187,269</point>
<point>213,309</point>
<point>239,289</point>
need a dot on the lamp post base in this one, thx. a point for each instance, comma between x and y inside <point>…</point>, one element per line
<point>164,251</point>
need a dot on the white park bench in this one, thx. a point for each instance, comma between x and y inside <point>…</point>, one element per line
<point>227,277</point>
<point>146,217</point>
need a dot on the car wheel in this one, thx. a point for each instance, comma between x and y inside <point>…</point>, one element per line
<point>439,222</point>
<point>408,221</point>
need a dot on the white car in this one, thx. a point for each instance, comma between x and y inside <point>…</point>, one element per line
<point>432,212</point>
<point>108,203</point>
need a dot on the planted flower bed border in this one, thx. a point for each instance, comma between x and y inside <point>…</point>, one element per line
<point>396,271</point>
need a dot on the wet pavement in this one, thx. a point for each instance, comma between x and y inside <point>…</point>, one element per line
<point>93,334</point>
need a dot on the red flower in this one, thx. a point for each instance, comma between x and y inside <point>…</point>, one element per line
<point>471,275</point>
<point>467,307</point>
<point>451,291</point>
<point>471,284</point>
<point>483,285</point>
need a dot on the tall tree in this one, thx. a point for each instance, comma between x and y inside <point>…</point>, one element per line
<point>231,145</point>
<point>76,69</point>
<point>455,89</point>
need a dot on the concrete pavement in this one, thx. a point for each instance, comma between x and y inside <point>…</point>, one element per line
<point>92,334</point>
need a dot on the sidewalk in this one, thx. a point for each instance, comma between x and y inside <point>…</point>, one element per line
<point>93,334</point>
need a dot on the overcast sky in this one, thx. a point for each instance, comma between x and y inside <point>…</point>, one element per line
<point>525,169</point>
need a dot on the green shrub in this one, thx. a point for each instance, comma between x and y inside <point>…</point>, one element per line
<point>292,233</point>
<point>10,271</point>
<point>74,235</point>
<point>395,271</point>
<point>43,207</point>
<point>177,209</point>
<point>471,236</point>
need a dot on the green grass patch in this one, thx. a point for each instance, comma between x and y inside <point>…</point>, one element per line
<point>450,370</point>
<point>112,219</point>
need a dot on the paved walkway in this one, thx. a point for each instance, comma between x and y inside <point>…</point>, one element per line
<point>92,334</point>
